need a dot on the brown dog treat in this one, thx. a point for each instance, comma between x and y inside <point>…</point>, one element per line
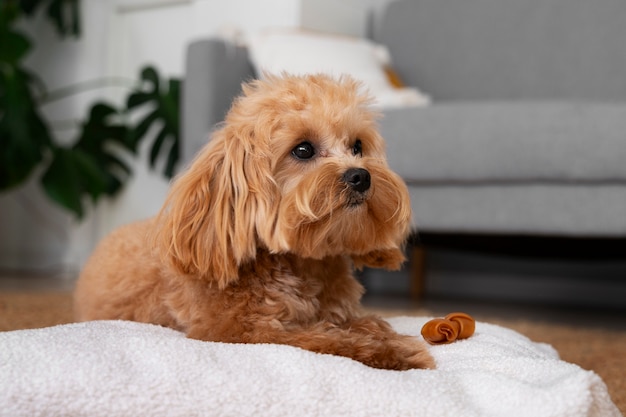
<point>466,323</point>
<point>448,329</point>
<point>440,331</point>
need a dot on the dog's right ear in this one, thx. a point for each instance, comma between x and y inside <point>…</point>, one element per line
<point>206,229</point>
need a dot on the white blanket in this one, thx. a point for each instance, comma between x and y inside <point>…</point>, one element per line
<point>116,368</point>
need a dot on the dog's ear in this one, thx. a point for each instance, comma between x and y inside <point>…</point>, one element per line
<point>207,226</point>
<point>390,259</point>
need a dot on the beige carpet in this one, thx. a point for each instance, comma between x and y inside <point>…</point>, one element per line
<point>600,350</point>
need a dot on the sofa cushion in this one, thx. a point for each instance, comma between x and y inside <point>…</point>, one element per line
<point>277,51</point>
<point>503,142</point>
<point>520,209</point>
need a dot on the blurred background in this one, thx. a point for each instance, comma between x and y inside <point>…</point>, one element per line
<point>103,62</point>
<point>122,49</point>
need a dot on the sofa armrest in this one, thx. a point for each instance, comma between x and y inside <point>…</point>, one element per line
<point>213,76</point>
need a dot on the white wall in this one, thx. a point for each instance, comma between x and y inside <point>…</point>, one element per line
<point>118,38</point>
<point>347,17</point>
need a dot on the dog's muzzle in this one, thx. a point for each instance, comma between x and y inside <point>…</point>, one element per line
<point>358,179</point>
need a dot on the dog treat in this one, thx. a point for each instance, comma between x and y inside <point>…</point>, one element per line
<point>467,324</point>
<point>440,331</point>
<point>448,329</point>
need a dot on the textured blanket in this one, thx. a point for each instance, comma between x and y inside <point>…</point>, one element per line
<point>116,368</point>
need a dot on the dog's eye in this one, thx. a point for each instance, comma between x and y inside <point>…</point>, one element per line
<point>357,148</point>
<point>303,150</point>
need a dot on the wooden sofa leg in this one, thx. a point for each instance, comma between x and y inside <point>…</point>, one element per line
<point>418,271</point>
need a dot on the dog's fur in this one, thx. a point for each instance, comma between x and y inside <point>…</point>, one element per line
<point>258,238</point>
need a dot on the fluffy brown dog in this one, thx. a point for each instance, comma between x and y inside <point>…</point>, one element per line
<point>258,238</point>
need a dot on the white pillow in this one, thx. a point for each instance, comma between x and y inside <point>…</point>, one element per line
<point>299,52</point>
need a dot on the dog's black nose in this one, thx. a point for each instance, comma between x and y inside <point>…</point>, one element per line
<point>358,179</point>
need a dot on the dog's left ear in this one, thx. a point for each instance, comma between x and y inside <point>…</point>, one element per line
<point>390,259</point>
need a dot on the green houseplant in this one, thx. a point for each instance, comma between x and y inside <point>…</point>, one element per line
<point>92,165</point>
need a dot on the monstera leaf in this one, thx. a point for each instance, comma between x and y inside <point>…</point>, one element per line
<point>93,165</point>
<point>163,115</point>
<point>90,168</point>
<point>24,135</point>
<point>64,14</point>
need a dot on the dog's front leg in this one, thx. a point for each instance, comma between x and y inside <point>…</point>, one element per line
<point>406,350</point>
<point>368,340</point>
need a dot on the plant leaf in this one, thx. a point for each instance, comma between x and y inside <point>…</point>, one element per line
<point>75,13</point>
<point>150,74</point>
<point>14,46</point>
<point>156,146</point>
<point>117,164</point>
<point>139,131</point>
<point>74,174</point>
<point>29,6</point>
<point>94,181</point>
<point>164,107</point>
<point>101,138</point>
<point>57,15</point>
<point>139,98</point>
<point>24,136</point>
<point>172,160</point>
<point>101,111</point>
<point>62,183</point>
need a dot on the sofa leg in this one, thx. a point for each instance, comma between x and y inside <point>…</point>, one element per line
<point>418,271</point>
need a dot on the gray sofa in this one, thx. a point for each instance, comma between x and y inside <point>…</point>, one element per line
<point>527,131</point>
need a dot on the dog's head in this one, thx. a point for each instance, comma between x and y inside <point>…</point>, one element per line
<point>297,167</point>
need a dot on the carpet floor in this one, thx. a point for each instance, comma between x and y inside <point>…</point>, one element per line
<point>595,348</point>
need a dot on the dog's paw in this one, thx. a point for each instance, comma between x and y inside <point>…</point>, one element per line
<point>411,354</point>
<point>376,344</point>
<point>390,259</point>
<point>400,353</point>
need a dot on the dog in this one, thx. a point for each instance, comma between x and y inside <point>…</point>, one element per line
<point>258,239</point>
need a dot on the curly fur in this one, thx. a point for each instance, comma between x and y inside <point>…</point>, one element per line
<point>255,245</point>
